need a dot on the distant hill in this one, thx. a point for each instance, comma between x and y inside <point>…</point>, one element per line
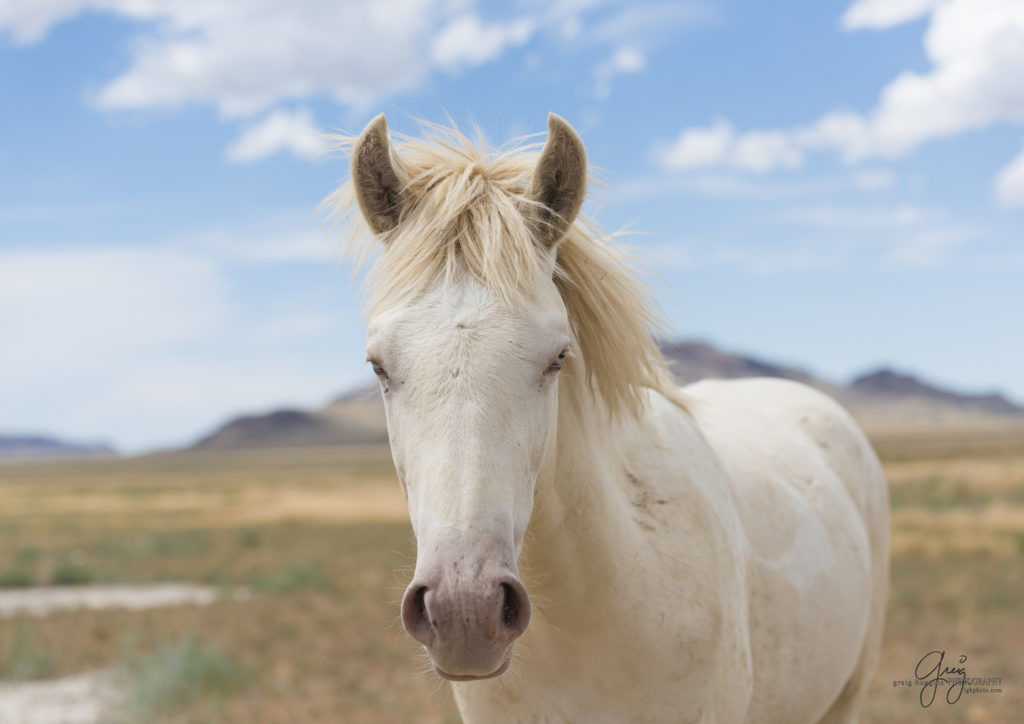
<point>889,394</point>
<point>40,447</point>
<point>693,361</point>
<point>357,418</point>
<point>889,384</point>
<point>882,395</point>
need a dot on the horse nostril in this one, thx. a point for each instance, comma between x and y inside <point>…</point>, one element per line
<point>420,602</point>
<point>515,607</point>
<point>415,617</point>
<point>509,605</point>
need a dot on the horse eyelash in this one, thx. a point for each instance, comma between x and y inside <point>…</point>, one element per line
<point>559,361</point>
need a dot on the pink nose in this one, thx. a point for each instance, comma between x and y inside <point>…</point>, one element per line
<point>467,624</point>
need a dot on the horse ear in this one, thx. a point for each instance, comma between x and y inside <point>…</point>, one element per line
<point>377,188</point>
<point>559,182</point>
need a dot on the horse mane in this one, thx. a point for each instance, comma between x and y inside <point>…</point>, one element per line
<point>463,209</point>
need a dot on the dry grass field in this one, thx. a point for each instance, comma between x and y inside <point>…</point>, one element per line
<point>318,540</point>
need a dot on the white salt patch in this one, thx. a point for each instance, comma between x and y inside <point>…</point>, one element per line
<point>43,601</point>
<point>79,699</point>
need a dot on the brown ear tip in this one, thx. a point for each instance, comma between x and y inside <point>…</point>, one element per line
<point>557,123</point>
<point>377,126</point>
<point>558,127</point>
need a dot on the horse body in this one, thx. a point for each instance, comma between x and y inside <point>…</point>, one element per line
<point>815,510</point>
<point>593,543</point>
<point>719,567</point>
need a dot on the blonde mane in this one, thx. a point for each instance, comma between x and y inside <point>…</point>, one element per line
<point>463,210</point>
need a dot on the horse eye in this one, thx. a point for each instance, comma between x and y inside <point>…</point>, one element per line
<point>378,369</point>
<point>559,361</point>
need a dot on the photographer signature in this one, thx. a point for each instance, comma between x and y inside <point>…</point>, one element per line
<point>937,674</point>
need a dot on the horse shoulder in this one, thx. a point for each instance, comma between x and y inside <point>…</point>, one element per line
<point>694,547</point>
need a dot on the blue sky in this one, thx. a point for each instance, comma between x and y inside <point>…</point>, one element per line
<point>834,184</point>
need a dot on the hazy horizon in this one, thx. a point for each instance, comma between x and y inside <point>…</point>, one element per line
<point>369,382</point>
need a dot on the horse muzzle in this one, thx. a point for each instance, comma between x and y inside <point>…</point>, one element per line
<point>468,617</point>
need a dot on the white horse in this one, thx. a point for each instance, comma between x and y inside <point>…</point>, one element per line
<point>717,553</point>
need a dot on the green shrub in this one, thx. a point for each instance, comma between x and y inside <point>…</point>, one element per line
<point>178,676</point>
<point>293,577</point>
<point>22,660</point>
<point>71,573</point>
<point>17,577</point>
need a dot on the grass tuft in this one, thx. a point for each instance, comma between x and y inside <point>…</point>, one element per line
<point>23,659</point>
<point>176,677</point>
<point>293,577</point>
<point>71,573</point>
<point>17,577</point>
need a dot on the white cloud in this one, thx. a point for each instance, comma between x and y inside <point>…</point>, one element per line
<point>1009,184</point>
<point>28,22</point>
<point>466,40</point>
<point>624,61</point>
<point>719,145</point>
<point>842,131</point>
<point>884,14</point>
<point>976,50</point>
<point>245,57</point>
<point>699,147</point>
<point>761,151</point>
<point>294,132</point>
<point>628,60</point>
<point>635,31</point>
<point>650,21</point>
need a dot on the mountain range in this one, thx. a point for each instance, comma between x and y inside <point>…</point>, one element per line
<point>40,447</point>
<point>883,396</point>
